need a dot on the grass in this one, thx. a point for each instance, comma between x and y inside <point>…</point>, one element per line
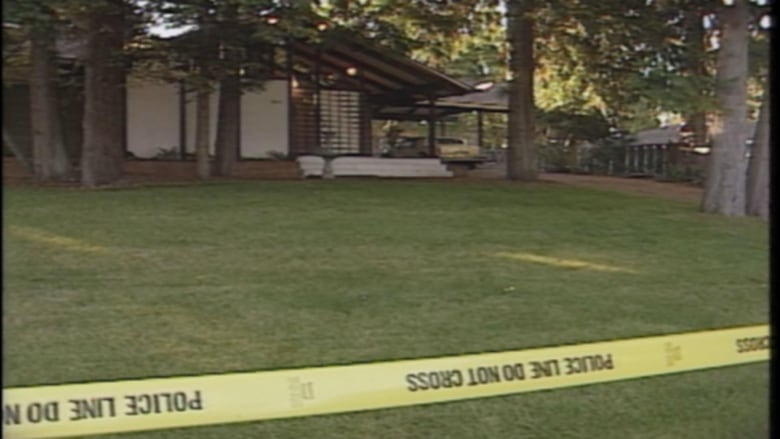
<point>113,284</point>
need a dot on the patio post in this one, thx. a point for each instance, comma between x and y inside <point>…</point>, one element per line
<point>366,115</point>
<point>480,128</point>
<point>182,121</point>
<point>317,104</point>
<point>292,142</point>
<point>326,153</point>
<point>432,126</point>
<point>125,146</point>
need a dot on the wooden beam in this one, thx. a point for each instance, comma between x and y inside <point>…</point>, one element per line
<point>288,70</point>
<point>339,64</point>
<point>124,115</point>
<point>365,114</point>
<point>384,67</point>
<point>182,121</point>
<point>480,128</point>
<point>412,93</point>
<point>432,127</point>
<point>238,127</point>
<point>317,103</point>
<point>376,84</point>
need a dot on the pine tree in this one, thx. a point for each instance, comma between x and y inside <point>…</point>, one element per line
<point>724,189</point>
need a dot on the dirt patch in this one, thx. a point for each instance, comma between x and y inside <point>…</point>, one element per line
<point>673,191</point>
<point>162,172</point>
<point>156,172</point>
<point>645,186</point>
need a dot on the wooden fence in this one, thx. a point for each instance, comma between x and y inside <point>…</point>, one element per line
<point>665,161</point>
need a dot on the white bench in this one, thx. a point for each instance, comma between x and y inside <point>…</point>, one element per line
<point>313,166</point>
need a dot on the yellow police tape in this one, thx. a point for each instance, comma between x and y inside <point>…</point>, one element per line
<point>125,406</point>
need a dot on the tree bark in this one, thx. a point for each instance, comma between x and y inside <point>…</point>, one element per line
<point>724,190</point>
<point>17,151</point>
<point>229,106</point>
<point>758,166</point>
<point>228,125</point>
<point>204,59</point>
<point>521,152</point>
<point>102,155</point>
<point>203,133</point>
<point>50,159</point>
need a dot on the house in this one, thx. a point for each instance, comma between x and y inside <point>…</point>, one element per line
<point>676,134</point>
<point>318,98</point>
<point>487,97</point>
<point>657,149</point>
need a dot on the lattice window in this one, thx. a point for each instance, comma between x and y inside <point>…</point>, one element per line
<point>340,121</point>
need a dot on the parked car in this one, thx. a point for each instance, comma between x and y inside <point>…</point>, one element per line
<point>448,149</point>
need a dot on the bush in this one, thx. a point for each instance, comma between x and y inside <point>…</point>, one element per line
<point>555,157</point>
<point>682,173</point>
<point>607,156</point>
<point>171,153</point>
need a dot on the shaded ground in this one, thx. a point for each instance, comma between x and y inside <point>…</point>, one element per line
<point>268,275</point>
<point>674,191</point>
<point>160,172</point>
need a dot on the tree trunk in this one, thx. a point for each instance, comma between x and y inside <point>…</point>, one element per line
<point>203,133</point>
<point>50,160</point>
<point>229,106</point>
<point>16,150</point>
<point>227,125</point>
<point>521,152</point>
<point>724,190</point>
<point>758,166</point>
<point>205,58</point>
<point>695,58</point>
<point>102,155</point>
<point>697,122</point>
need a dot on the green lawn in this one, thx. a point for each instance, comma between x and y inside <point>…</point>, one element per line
<point>112,284</point>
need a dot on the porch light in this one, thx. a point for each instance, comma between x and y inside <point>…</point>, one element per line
<point>352,71</point>
<point>272,19</point>
<point>766,22</point>
<point>294,82</point>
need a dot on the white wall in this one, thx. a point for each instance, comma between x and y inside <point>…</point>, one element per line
<point>152,118</point>
<point>264,121</point>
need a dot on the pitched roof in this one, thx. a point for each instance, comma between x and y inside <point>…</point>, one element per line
<point>389,77</point>
<point>670,134</point>
<point>493,99</point>
<point>659,136</point>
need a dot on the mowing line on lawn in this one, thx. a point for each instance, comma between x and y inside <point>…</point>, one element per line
<point>135,405</point>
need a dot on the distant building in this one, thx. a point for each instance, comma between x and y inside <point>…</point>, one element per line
<point>676,135</point>
<point>316,98</point>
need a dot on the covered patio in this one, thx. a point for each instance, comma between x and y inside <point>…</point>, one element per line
<point>338,86</point>
<point>485,98</point>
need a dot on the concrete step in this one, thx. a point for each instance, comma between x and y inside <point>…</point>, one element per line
<point>312,166</point>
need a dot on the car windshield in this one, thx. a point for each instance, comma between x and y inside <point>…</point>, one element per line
<point>406,142</point>
<point>450,141</point>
